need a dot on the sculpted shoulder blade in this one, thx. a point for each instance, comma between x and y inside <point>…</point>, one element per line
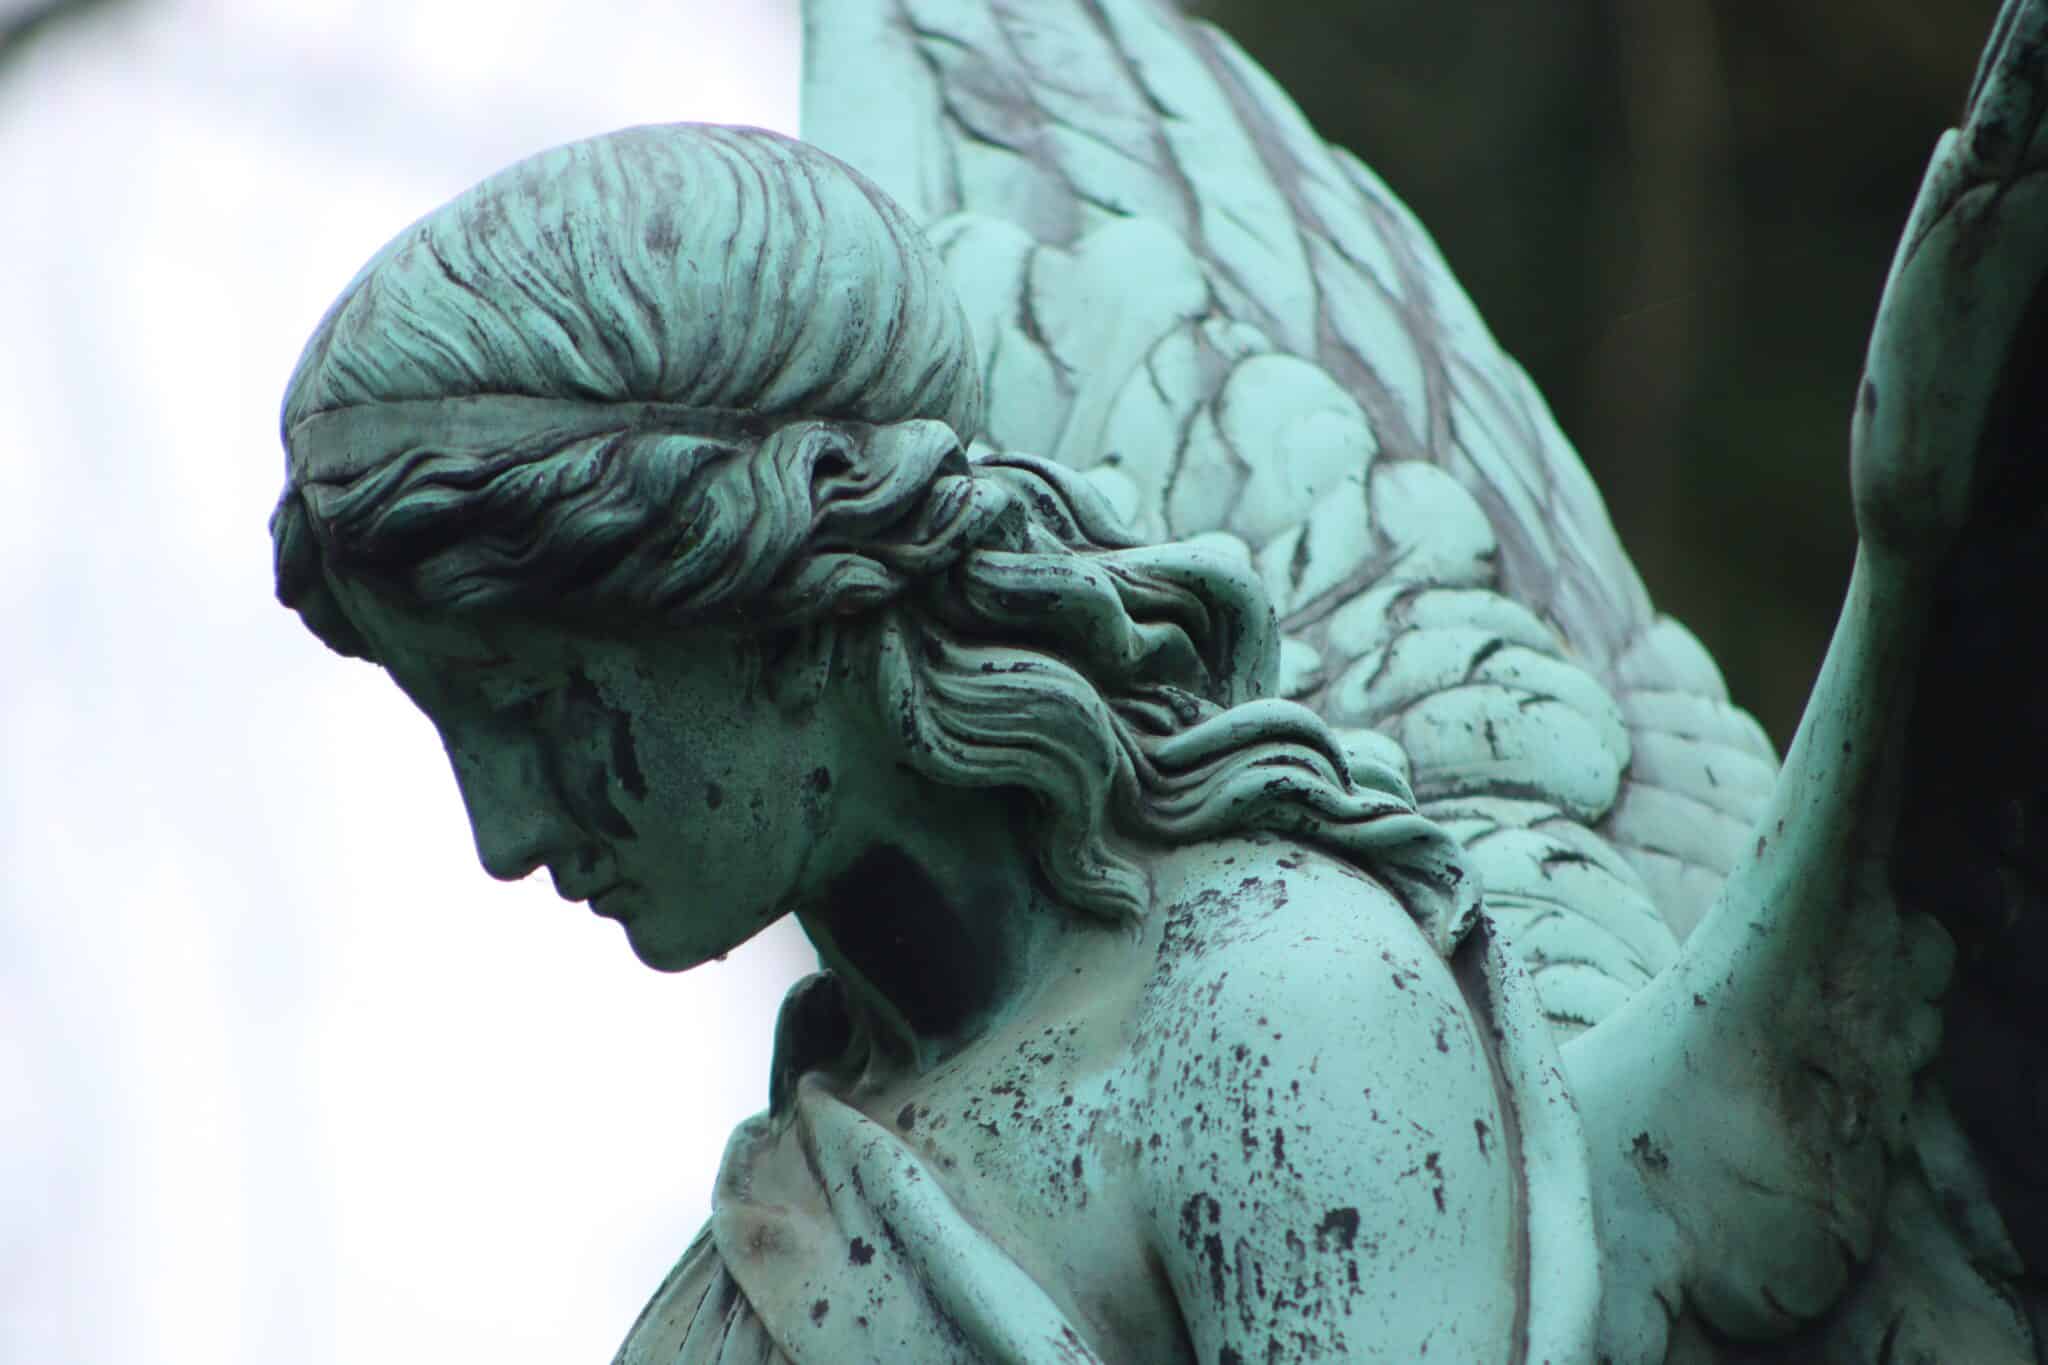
<point>1346,1142</point>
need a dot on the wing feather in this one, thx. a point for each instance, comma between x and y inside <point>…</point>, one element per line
<point>1233,327</point>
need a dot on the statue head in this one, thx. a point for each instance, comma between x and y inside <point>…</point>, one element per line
<point>695,392</point>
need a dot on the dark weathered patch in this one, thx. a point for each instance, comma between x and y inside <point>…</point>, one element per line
<point>886,915</point>
<point>1338,1230</point>
<point>587,721</point>
<point>1648,1154</point>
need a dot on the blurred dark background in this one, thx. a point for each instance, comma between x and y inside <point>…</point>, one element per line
<point>1678,215</point>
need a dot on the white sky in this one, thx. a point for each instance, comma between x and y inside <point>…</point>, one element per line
<point>283,1076</point>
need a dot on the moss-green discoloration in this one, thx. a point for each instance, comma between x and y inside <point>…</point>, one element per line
<point>1162,1019</point>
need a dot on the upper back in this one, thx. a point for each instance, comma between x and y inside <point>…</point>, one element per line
<point>1323,1139</point>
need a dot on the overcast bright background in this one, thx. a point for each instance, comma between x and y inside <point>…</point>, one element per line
<point>283,1076</point>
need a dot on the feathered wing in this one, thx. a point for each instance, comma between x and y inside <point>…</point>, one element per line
<point>1236,329</point>
<point>1840,1071</point>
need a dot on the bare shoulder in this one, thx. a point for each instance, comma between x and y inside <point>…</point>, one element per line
<point>1320,1156</point>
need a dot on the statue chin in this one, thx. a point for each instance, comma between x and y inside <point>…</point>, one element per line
<point>671,942</point>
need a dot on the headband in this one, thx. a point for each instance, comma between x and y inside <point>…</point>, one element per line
<point>340,445</point>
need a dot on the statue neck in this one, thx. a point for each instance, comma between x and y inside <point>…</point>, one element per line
<point>939,930</point>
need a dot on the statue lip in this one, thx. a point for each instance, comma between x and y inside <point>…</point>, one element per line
<point>592,895</point>
<point>616,910</point>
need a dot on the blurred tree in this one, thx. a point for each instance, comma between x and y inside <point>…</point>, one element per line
<point>1678,215</point>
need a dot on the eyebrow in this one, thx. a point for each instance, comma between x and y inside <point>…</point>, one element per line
<point>467,663</point>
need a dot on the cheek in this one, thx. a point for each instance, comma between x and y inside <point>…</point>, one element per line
<point>735,814</point>
<point>726,795</point>
<point>694,798</point>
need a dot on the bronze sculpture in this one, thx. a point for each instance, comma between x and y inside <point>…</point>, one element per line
<point>1204,903</point>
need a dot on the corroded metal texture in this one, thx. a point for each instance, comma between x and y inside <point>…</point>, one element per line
<point>1284,893</point>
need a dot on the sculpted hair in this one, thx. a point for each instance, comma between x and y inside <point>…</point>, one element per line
<point>709,267</point>
<point>1021,637</point>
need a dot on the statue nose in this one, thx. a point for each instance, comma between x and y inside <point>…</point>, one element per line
<point>514,815</point>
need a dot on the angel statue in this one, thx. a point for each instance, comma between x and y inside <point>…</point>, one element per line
<point>1281,892</point>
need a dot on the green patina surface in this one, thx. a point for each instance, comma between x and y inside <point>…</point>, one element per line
<point>1282,891</point>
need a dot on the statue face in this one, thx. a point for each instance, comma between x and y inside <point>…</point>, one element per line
<point>658,781</point>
